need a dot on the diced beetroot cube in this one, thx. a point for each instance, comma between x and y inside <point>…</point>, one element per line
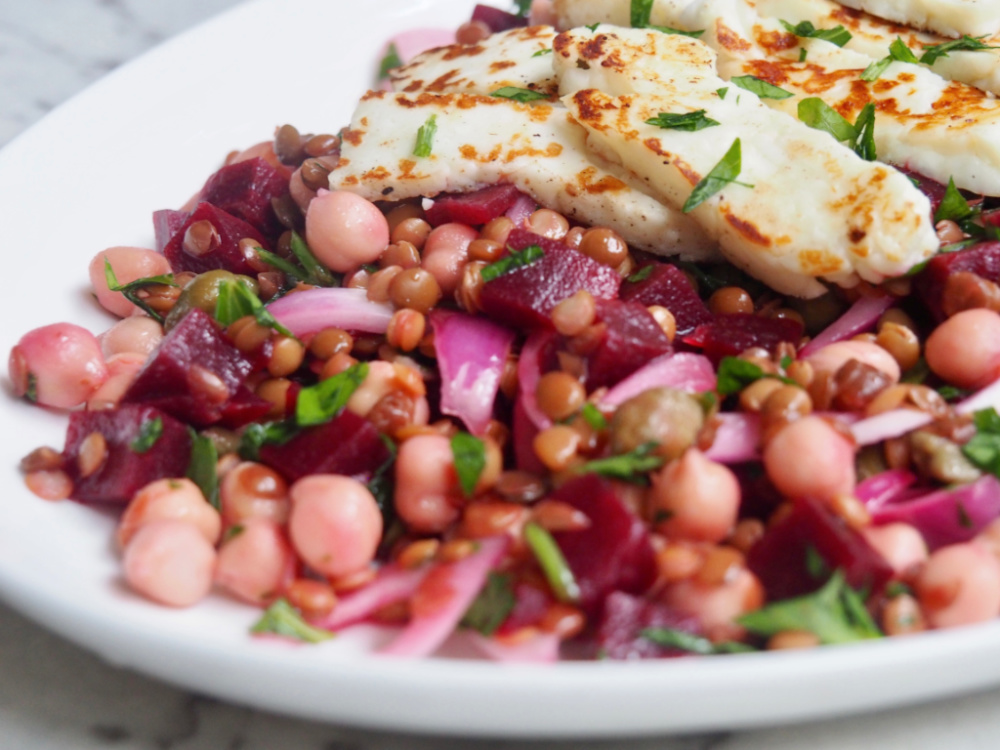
<point>166,223</point>
<point>473,208</point>
<point>524,297</point>
<point>523,437</point>
<point>530,605</point>
<point>614,553</point>
<point>668,286</point>
<point>781,558</point>
<point>982,259</point>
<point>496,19</point>
<point>245,190</point>
<point>730,335</point>
<point>195,373</point>
<point>632,337</point>
<point>125,470</point>
<point>348,445</point>
<point>225,254</point>
<point>243,408</point>
<point>619,632</point>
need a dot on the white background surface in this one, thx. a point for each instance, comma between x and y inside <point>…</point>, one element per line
<point>53,695</point>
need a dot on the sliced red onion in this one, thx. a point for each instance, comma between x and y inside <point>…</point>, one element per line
<point>685,371</point>
<point>315,309</point>
<point>411,43</point>
<point>737,438</point>
<point>465,578</point>
<point>392,584</point>
<point>983,399</point>
<point>887,425</point>
<point>529,372</point>
<point>884,487</point>
<point>542,648</point>
<point>947,516</point>
<point>862,316</point>
<point>523,207</point>
<point>471,354</point>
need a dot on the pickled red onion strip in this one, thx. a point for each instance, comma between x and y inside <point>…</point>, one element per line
<point>884,487</point>
<point>685,371</point>
<point>887,425</point>
<point>737,438</point>
<point>861,316</point>
<point>542,648</point>
<point>982,399</point>
<point>313,310</point>
<point>529,372</point>
<point>457,584</point>
<point>523,207</point>
<point>471,354</point>
<point>391,585</point>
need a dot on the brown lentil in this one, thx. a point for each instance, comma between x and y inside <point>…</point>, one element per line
<point>555,515</point>
<point>358,279</point>
<point>901,342</point>
<point>665,320</point>
<point>789,639</point>
<point>353,581</point>
<point>719,566</point>
<point>948,232</point>
<point>311,598</point>
<point>201,238</point>
<point>801,372</point>
<point>288,145</point>
<point>556,446</point>
<point>269,283</point>
<point>498,432</point>
<point>897,453</point>
<point>41,459</point>
<point>455,550</point>
<point>548,223</point>
<point>275,392</point>
<point>403,254</point>
<point>415,288</point>
<point>337,364</point>
<point>786,404</point>
<point>585,342</point>
<point>902,616</point>
<point>469,292</point>
<point>413,230</point>
<point>605,246</point>
<point>323,144</point>
<point>409,379</point>
<point>485,250</point>
<point>315,174</point>
<point>490,518</point>
<point>856,383</point>
<point>573,237</point>
<point>519,486</point>
<point>851,510</point>
<point>287,355</point>
<point>559,395</point>
<point>730,300</point>
<point>380,281</point>
<point>564,620</point>
<point>287,211</point>
<point>678,561</point>
<point>787,313</point>
<point>93,452</point>
<point>406,329</point>
<point>417,553</point>
<point>968,291</point>
<point>160,297</point>
<point>401,212</point>
<point>472,32</point>
<point>52,484</point>
<point>574,314</point>
<point>497,229</point>
<point>752,397</point>
<point>747,533</point>
<point>330,341</point>
<point>248,335</point>
<point>204,382</point>
<point>392,412</point>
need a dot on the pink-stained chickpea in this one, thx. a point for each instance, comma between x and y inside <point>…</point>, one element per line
<point>129,264</point>
<point>809,458</point>
<point>57,365</point>
<point>170,562</point>
<point>255,561</point>
<point>134,335</point>
<point>344,230</point>
<point>542,13</point>
<point>335,524</point>
<point>832,357</point>
<point>965,349</point>
<point>696,498</point>
<point>445,253</point>
<point>717,605</point>
<point>252,490</point>
<point>122,371</point>
<point>959,585</point>
<point>900,544</point>
<point>426,483</point>
<point>380,380</point>
<point>170,500</point>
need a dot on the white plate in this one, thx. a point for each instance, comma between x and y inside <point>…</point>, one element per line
<point>144,138</point>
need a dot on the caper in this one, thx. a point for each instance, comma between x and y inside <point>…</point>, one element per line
<point>670,418</point>
<point>938,458</point>
<point>203,292</point>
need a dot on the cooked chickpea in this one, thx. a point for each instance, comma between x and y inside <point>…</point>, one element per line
<point>170,499</point>
<point>809,458</point>
<point>959,585</point>
<point>695,498</point>
<point>965,349</point>
<point>254,561</point>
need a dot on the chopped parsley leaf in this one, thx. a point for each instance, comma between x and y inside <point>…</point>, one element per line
<point>518,95</point>
<point>425,138</point>
<point>722,174</point>
<point>966,43</point>
<point>760,87</point>
<point>281,618</point>
<point>516,259</point>
<point>686,121</point>
<point>491,607</point>
<point>837,35</point>
<point>150,431</point>
<point>469,455</point>
<point>629,467</point>
<point>320,403</point>
<point>390,61</point>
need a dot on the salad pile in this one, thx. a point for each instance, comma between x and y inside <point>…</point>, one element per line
<point>470,412</point>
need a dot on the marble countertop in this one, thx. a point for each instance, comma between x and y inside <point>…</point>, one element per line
<point>55,696</point>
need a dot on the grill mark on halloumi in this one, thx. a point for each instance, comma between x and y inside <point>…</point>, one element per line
<point>951,18</point>
<point>816,209</point>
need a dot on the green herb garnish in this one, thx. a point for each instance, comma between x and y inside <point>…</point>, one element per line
<point>722,174</point>
<point>320,403</point>
<point>318,273</point>
<point>898,51</point>
<point>491,607</point>
<point>202,468</point>
<point>236,300</point>
<point>760,87</point>
<point>837,35</point>
<point>679,32</point>
<point>695,644</point>
<point>965,44</point>
<point>735,374</point>
<point>523,8</point>
<point>593,417</point>
<point>629,467</point>
<point>641,275</point>
<point>425,138</point>
<point>803,54</point>
<point>132,289</point>
<point>257,434</point>
<point>687,121</point>
<point>389,61</point>
<point>865,125</point>
<point>834,614</point>
<point>983,450</point>
<point>31,392</point>
<point>592,27</point>
<point>639,13</point>
<point>281,618</point>
<point>469,454</point>
<point>554,566</point>
<point>150,432</point>
<point>722,92</point>
<point>518,95</point>
<point>546,51</point>
<point>953,206</point>
<point>516,259</point>
<point>817,114</point>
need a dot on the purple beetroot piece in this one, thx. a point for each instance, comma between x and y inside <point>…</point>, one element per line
<point>498,20</point>
<point>982,259</point>
<point>614,553</point>
<point>195,374</point>
<point>348,445</point>
<point>127,468</point>
<point>225,252</point>
<point>245,190</point>
<point>631,338</point>
<point>619,632</point>
<point>731,335</point>
<point>473,208</point>
<point>166,223</point>
<point>524,297</point>
<point>669,287</point>
<point>780,559</point>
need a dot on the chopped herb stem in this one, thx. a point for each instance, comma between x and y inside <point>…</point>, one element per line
<point>516,259</point>
<point>425,138</point>
<point>554,566</point>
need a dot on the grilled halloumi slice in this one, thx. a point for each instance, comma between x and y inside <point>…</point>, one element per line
<point>949,17</point>
<point>805,207</point>
<point>483,140</point>
<point>870,35</point>
<point>517,58</point>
